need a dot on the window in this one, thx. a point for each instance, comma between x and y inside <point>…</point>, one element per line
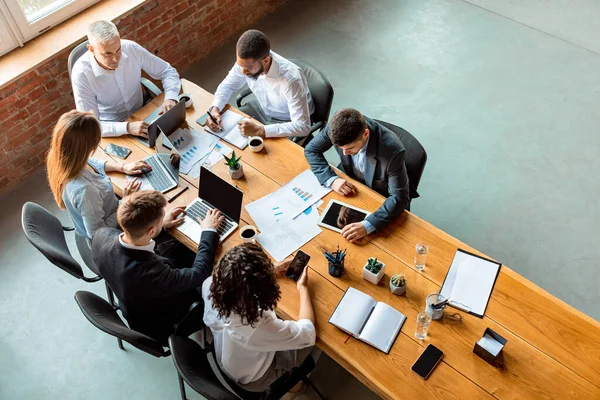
<point>22,20</point>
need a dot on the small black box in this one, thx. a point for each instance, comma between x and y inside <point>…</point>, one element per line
<point>490,346</point>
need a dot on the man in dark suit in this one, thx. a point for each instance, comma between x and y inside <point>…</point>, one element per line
<point>370,153</point>
<point>154,292</point>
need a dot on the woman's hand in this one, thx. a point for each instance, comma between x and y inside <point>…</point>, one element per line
<point>136,168</point>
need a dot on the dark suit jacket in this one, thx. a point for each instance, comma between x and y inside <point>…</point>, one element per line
<point>385,170</point>
<point>153,292</point>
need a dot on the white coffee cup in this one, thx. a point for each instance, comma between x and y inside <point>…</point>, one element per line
<point>188,101</point>
<point>254,146</point>
<point>248,234</point>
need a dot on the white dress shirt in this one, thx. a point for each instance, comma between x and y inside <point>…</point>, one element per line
<point>149,247</point>
<point>245,352</point>
<point>113,95</point>
<point>282,94</point>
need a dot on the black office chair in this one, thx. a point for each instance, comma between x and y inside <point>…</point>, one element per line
<point>322,95</point>
<point>150,89</point>
<point>415,157</point>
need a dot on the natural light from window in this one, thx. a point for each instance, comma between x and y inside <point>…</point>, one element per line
<point>36,9</point>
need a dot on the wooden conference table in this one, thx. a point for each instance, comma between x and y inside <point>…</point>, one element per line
<point>553,350</point>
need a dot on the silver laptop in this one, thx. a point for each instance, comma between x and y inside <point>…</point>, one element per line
<point>164,175</point>
<point>213,193</point>
<point>168,121</point>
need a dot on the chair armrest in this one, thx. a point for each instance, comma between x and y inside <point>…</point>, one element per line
<point>245,93</point>
<point>192,322</point>
<point>150,87</point>
<point>68,228</point>
<point>316,126</point>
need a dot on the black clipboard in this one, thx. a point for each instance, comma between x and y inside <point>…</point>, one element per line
<point>493,284</point>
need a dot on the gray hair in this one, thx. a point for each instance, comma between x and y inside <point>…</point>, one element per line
<point>102,32</point>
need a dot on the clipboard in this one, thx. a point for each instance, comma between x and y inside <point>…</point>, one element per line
<point>474,277</point>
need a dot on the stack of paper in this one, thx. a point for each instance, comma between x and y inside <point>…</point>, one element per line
<point>192,146</point>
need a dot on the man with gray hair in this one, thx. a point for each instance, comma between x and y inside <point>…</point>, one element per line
<point>106,80</point>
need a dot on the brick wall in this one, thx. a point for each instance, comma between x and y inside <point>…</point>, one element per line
<point>179,31</point>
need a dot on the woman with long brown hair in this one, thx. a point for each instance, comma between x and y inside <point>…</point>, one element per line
<point>88,196</point>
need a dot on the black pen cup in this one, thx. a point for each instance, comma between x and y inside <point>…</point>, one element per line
<point>336,269</point>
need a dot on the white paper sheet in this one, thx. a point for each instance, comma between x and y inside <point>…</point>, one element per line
<point>352,312</point>
<point>281,240</point>
<point>231,130</point>
<point>211,159</point>
<point>192,146</point>
<point>490,344</point>
<point>288,201</point>
<point>382,327</point>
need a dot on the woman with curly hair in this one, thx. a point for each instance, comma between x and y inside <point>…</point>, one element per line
<point>252,345</point>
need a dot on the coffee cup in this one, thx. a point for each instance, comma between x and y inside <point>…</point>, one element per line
<point>248,234</point>
<point>187,98</point>
<point>256,143</point>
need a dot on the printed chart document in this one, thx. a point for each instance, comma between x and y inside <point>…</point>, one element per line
<point>211,159</point>
<point>469,282</point>
<point>192,146</point>
<point>372,322</point>
<point>288,201</point>
<point>282,239</point>
<point>231,130</point>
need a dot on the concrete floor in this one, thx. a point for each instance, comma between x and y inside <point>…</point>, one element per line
<point>504,97</point>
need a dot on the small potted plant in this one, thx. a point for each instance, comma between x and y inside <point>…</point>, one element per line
<point>373,270</point>
<point>398,284</point>
<point>235,166</point>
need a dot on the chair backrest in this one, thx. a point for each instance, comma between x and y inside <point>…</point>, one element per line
<point>416,156</point>
<point>75,55</point>
<point>45,232</point>
<point>193,366</point>
<point>104,317</point>
<point>320,90</point>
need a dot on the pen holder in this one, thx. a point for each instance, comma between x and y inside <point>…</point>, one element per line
<point>336,269</point>
<point>489,347</point>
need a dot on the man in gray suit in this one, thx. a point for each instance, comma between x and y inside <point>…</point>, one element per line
<point>371,154</point>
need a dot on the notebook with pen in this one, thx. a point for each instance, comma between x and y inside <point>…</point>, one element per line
<point>231,130</point>
<point>469,282</point>
<point>372,322</point>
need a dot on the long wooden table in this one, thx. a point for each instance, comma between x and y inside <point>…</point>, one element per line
<point>552,349</point>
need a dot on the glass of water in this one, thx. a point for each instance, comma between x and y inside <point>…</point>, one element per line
<point>423,321</point>
<point>421,250</point>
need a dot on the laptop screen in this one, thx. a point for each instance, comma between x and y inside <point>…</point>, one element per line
<point>168,155</point>
<point>168,121</point>
<point>220,194</point>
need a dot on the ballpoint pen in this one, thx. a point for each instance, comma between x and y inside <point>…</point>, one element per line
<point>214,120</point>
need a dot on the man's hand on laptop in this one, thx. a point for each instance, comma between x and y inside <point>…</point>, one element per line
<point>138,128</point>
<point>212,221</point>
<point>174,217</point>
<point>132,186</point>
<point>166,106</point>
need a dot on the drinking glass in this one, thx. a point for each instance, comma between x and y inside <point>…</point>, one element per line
<point>421,250</point>
<point>423,321</point>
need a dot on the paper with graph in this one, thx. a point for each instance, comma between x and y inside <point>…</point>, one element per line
<point>287,202</point>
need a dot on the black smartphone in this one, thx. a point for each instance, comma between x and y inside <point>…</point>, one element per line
<point>427,361</point>
<point>117,151</point>
<point>295,269</point>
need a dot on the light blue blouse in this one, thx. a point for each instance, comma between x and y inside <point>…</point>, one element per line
<point>91,200</point>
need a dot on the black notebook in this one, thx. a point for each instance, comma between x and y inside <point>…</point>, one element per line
<point>372,322</point>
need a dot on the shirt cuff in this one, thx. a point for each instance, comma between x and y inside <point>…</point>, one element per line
<point>330,181</point>
<point>272,131</point>
<point>219,104</point>
<point>209,230</point>
<point>171,95</point>
<point>368,226</point>
<point>121,128</point>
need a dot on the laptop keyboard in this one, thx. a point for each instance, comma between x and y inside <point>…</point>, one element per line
<point>142,140</point>
<point>157,177</point>
<point>200,208</point>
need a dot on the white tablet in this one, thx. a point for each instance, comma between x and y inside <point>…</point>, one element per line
<point>338,214</point>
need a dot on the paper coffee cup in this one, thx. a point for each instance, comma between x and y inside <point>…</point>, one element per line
<point>188,101</point>
<point>248,234</point>
<point>256,143</point>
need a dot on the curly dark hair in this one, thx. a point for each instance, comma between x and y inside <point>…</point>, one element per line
<point>244,283</point>
<point>253,44</point>
<point>346,126</point>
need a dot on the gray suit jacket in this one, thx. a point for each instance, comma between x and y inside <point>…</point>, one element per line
<point>385,171</point>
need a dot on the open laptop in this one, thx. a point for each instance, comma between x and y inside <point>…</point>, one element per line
<point>169,122</point>
<point>164,175</point>
<point>213,193</point>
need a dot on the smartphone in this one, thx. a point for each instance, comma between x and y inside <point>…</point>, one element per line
<point>202,119</point>
<point>430,357</point>
<point>295,269</point>
<point>117,151</point>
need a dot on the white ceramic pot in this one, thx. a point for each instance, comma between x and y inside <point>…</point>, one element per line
<point>371,277</point>
<point>236,173</point>
<point>397,290</point>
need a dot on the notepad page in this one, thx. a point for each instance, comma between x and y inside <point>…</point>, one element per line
<point>231,130</point>
<point>382,327</point>
<point>352,311</point>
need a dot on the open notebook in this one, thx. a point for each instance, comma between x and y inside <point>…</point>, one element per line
<point>231,130</point>
<point>469,282</point>
<point>361,316</point>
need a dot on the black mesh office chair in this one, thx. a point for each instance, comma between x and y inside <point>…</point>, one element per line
<point>322,95</point>
<point>150,89</point>
<point>416,157</point>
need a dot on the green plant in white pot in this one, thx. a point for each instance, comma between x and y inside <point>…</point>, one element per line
<point>398,284</point>
<point>235,166</point>
<point>373,270</point>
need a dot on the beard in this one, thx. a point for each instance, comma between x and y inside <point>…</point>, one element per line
<point>259,73</point>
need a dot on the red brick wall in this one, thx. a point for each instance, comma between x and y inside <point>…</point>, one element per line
<point>179,31</point>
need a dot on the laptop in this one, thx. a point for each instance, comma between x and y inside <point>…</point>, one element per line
<point>169,122</point>
<point>164,175</point>
<point>213,192</point>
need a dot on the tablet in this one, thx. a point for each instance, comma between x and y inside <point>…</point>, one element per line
<point>338,214</point>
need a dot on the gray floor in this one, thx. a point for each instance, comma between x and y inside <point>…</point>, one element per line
<point>504,97</point>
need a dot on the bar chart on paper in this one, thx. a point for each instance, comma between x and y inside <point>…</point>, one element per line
<point>304,195</point>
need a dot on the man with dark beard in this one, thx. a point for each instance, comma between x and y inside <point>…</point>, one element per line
<point>278,84</point>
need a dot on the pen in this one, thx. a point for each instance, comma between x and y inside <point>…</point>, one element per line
<point>460,306</point>
<point>213,119</point>
<point>176,195</point>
